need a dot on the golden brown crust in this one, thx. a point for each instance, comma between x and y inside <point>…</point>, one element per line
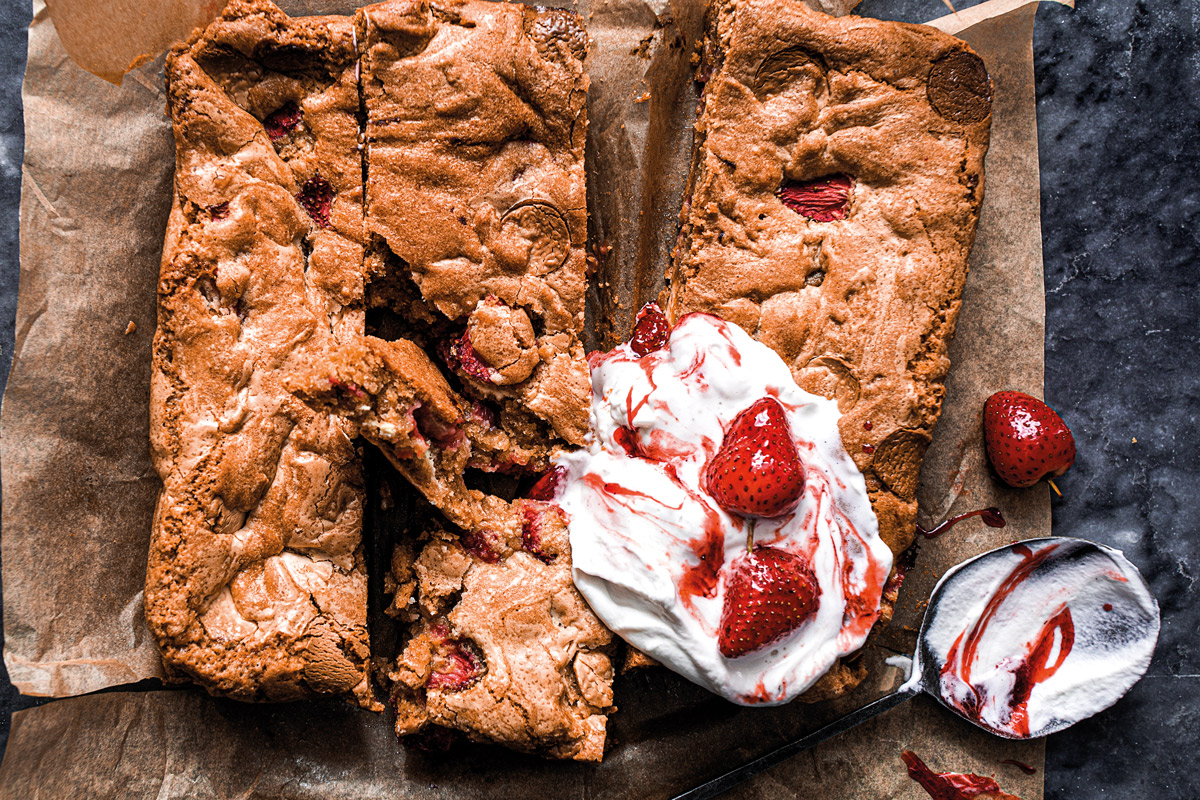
<point>256,587</point>
<point>539,677</point>
<point>401,403</point>
<point>475,128</point>
<point>861,308</point>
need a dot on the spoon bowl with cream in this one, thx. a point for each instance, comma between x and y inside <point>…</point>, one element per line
<point>1022,641</point>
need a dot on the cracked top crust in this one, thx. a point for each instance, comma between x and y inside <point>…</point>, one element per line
<point>475,129</point>
<point>256,587</point>
<point>861,305</point>
<point>504,646</point>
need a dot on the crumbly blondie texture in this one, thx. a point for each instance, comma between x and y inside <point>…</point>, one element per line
<point>833,197</point>
<point>403,405</point>
<point>503,647</point>
<point>500,644</point>
<point>465,220</point>
<point>475,128</point>
<point>256,586</point>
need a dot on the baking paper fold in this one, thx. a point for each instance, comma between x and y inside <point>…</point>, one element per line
<point>79,488</point>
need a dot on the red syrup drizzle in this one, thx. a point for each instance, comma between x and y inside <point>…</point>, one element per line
<point>700,579</point>
<point>1021,765</point>
<point>991,517</point>
<point>1034,669</point>
<point>627,438</point>
<point>949,785</point>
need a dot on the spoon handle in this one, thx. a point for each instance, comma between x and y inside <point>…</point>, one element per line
<point>734,777</point>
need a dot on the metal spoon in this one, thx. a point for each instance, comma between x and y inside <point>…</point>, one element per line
<point>1021,641</point>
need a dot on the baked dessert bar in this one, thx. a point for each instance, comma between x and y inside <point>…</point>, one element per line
<point>476,202</point>
<point>831,208</point>
<point>256,586</point>
<point>500,645</point>
<point>402,404</point>
<point>475,129</point>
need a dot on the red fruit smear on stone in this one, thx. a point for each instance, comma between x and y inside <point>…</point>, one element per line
<point>771,592</point>
<point>282,120</point>
<point>531,534</point>
<point>1026,440</point>
<point>991,517</point>
<point>757,471</point>
<point>547,485</point>
<point>949,785</point>
<point>650,331</point>
<point>481,544</point>
<point>822,200</point>
<point>316,197</point>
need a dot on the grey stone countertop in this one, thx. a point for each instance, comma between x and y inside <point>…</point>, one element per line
<point>1118,93</point>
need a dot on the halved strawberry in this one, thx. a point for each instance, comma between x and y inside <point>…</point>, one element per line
<point>650,331</point>
<point>770,593</point>
<point>1026,441</point>
<point>756,472</point>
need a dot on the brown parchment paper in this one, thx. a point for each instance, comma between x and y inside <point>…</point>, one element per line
<point>78,487</point>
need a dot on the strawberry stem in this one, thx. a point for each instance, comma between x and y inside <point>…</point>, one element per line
<point>750,536</point>
<point>1052,486</point>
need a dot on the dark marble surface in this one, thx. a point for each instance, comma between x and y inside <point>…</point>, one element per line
<point>1119,131</point>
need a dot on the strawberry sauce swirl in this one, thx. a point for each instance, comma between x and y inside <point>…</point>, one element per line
<point>1049,633</point>
<point>652,549</point>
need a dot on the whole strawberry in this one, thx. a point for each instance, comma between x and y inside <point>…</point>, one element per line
<point>1026,441</point>
<point>756,472</point>
<point>650,331</point>
<point>770,593</point>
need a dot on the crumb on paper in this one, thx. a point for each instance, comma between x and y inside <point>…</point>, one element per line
<point>130,328</point>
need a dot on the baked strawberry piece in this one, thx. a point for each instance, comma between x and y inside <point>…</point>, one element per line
<point>482,610</point>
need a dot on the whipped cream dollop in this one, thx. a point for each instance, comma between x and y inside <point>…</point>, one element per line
<point>652,550</point>
<point>1033,638</point>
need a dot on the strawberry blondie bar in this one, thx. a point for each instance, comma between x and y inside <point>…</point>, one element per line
<point>835,187</point>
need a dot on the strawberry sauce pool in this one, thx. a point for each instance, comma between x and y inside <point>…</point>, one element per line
<point>1031,639</point>
<point>652,549</point>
